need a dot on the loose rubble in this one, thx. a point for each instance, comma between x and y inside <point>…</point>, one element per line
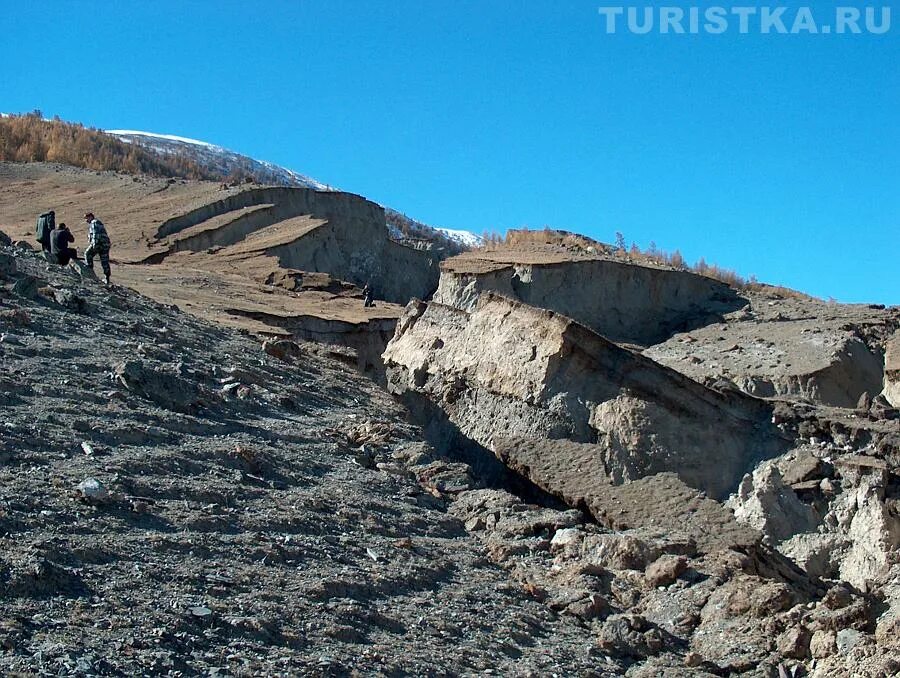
<point>563,505</point>
<point>209,535</point>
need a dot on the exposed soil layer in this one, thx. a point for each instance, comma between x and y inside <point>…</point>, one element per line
<point>242,256</point>
<point>623,302</point>
<point>508,370</point>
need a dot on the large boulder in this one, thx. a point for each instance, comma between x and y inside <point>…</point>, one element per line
<point>161,387</point>
<point>764,502</point>
<point>506,370</point>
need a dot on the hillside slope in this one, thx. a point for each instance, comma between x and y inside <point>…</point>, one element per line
<point>237,167</point>
<point>233,255</point>
<point>30,138</point>
<point>175,499</point>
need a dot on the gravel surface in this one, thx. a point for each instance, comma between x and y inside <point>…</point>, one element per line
<point>174,500</point>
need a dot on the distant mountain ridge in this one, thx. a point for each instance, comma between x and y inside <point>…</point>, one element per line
<point>238,166</point>
<point>218,158</point>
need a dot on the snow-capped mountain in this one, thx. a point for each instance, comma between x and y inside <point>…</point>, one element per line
<point>218,158</point>
<point>227,162</point>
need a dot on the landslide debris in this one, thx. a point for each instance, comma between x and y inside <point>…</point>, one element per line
<point>508,370</point>
<point>790,347</point>
<point>175,500</point>
<point>797,573</point>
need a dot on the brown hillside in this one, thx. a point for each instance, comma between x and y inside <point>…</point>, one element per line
<point>242,285</point>
<point>30,138</point>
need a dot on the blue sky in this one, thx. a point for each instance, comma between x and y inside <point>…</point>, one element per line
<point>774,155</point>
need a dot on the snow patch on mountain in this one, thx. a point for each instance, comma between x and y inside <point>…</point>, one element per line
<point>466,238</point>
<point>168,137</point>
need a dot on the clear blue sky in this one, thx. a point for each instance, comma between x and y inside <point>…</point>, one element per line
<point>775,155</point>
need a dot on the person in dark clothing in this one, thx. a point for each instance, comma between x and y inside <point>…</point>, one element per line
<point>45,225</point>
<point>368,297</point>
<point>60,238</point>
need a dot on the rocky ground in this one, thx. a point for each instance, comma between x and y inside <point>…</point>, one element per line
<point>795,572</point>
<point>175,500</point>
<point>788,345</point>
<point>181,498</point>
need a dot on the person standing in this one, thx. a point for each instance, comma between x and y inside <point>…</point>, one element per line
<point>45,224</point>
<point>98,244</point>
<point>368,297</point>
<point>60,238</point>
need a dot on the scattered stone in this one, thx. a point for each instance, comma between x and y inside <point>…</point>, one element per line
<point>823,643</point>
<point>794,643</point>
<point>282,349</point>
<point>26,287</point>
<point>231,388</point>
<point>864,404</point>
<point>83,271</point>
<point>163,388</point>
<point>446,477</point>
<point>693,659</point>
<point>92,491</point>
<point>16,316</point>
<point>567,539</point>
<point>802,467</point>
<point>591,607</point>
<point>617,551</point>
<point>7,265</point>
<point>629,635</point>
<point>847,639</point>
<point>139,506</point>
<point>764,502</point>
<point>665,570</point>
<point>69,300</point>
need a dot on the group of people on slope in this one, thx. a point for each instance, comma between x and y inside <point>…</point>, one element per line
<point>56,242</point>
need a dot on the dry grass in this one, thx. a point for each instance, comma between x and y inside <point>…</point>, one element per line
<point>30,138</point>
<point>550,236</point>
<point>651,256</point>
<point>779,292</point>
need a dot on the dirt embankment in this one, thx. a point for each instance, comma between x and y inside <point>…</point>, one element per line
<point>766,342</point>
<point>250,257</point>
<point>510,370</point>
<point>341,234</point>
<point>623,302</point>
